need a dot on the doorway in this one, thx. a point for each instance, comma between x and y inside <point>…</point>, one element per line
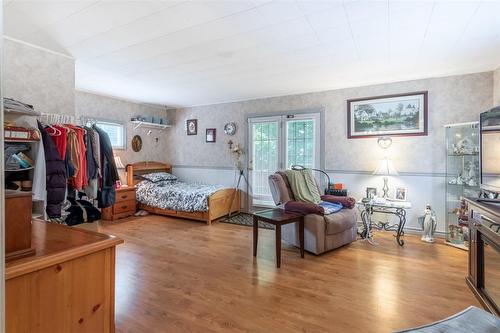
<point>277,143</point>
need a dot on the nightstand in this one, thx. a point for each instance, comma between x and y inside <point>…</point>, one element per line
<point>124,206</point>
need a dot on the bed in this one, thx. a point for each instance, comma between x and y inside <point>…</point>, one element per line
<point>218,201</point>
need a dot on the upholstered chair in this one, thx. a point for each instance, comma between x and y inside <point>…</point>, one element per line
<point>322,233</point>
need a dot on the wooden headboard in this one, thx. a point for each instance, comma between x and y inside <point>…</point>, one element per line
<point>142,168</point>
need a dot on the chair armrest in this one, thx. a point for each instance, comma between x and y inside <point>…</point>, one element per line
<point>347,202</point>
<point>303,208</point>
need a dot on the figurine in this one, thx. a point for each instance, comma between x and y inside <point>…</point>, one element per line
<point>462,212</point>
<point>428,224</point>
<point>463,147</point>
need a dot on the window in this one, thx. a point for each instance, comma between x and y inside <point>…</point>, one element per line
<point>115,131</point>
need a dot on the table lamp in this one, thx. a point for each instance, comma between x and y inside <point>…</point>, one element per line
<point>385,168</point>
<point>121,168</point>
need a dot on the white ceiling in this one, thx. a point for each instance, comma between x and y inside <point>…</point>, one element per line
<point>203,52</point>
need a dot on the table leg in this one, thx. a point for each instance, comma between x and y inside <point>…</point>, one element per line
<point>278,245</point>
<point>402,220</point>
<point>301,236</point>
<point>255,234</point>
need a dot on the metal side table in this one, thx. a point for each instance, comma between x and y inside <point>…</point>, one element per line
<point>397,208</point>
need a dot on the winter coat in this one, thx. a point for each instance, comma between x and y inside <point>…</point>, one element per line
<point>109,173</point>
<point>56,179</point>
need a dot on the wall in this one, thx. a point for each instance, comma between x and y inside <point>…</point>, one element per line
<point>107,108</point>
<point>420,160</point>
<point>47,81</point>
<point>496,89</point>
<point>38,77</point>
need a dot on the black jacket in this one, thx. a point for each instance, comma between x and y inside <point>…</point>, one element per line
<point>55,175</point>
<point>106,194</point>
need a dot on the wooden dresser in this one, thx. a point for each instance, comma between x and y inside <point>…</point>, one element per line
<point>17,225</point>
<point>67,286</point>
<point>125,204</point>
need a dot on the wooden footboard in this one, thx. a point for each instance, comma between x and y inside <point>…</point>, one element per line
<point>218,206</point>
<point>219,202</point>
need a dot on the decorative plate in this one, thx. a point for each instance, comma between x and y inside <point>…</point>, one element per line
<point>136,143</point>
<point>230,128</point>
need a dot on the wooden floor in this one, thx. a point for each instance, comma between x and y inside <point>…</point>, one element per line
<point>181,276</point>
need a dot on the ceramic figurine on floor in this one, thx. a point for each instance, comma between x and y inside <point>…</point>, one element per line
<point>428,224</point>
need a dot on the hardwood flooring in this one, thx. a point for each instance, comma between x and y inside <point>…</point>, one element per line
<point>182,276</point>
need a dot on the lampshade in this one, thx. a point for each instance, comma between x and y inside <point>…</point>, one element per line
<point>118,162</point>
<point>386,168</point>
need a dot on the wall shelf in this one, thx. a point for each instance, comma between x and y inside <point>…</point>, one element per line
<point>138,123</point>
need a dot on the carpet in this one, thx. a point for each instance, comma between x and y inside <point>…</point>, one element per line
<point>246,220</point>
<point>470,320</point>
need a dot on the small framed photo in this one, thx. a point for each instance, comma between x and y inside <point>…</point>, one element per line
<point>371,192</point>
<point>401,193</point>
<point>192,126</point>
<point>210,135</point>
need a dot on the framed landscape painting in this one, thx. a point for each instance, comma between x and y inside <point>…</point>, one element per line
<point>390,115</point>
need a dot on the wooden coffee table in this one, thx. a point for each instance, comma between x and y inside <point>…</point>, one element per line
<point>278,217</point>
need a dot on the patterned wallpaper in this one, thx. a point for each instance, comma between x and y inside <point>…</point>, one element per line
<point>107,108</point>
<point>496,89</point>
<point>452,99</point>
<point>35,76</point>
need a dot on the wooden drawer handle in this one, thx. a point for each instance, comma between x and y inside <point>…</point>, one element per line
<point>124,196</point>
<point>124,207</point>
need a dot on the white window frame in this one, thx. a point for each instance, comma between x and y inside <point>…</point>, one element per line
<point>112,122</point>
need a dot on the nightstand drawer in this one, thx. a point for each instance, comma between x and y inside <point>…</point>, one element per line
<point>124,206</point>
<point>124,196</point>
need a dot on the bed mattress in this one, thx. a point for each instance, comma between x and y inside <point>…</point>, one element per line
<point>176,195</point>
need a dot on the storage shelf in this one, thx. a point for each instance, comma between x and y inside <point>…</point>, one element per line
<point>457,245</point>
<point>146,124</point>
<point>462,155</point>
<point>19,170</point>
<point>21,141</point>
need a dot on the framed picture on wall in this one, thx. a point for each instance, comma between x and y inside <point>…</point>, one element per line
<point>192,126</point>
<point>389,115</point>
<point>210,135</point>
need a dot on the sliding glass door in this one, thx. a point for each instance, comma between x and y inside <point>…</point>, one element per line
<point>277,143</point>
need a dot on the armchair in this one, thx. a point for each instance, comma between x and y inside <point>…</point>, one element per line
<point>322,233</point>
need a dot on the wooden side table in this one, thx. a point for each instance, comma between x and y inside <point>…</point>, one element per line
<point>125,205</point>
<point>277,217</point>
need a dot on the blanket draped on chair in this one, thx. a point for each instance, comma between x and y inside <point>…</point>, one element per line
<point>303,186</point>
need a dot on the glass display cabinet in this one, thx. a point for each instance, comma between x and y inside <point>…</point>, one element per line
<point>462,179</point>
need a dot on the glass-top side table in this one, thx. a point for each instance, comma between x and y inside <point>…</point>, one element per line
<point>397,208</point>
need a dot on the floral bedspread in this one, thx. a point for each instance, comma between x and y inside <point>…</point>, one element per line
<point>176,195</point>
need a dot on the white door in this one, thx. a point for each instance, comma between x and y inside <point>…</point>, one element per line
<point>277,143</point>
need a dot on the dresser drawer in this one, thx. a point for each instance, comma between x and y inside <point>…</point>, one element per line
<point>124,196</point>
<point>124,206</point>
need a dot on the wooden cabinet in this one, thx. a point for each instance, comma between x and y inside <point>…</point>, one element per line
<point>68,286</point>
<point>17,225</point>
<point>484,254</point>
<point>125,205</point>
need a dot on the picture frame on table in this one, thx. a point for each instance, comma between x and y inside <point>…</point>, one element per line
<point>192,126</point>
<point>371,192</point>
<point>401,194</point>
<point>389,115</point>
<point>210,135</point>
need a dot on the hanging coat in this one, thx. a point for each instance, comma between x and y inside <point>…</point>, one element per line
<point>109,173</point>
<point>55,175</point>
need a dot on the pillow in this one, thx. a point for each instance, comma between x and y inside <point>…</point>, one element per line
<point>159,176</point>
<point>303,208</point>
